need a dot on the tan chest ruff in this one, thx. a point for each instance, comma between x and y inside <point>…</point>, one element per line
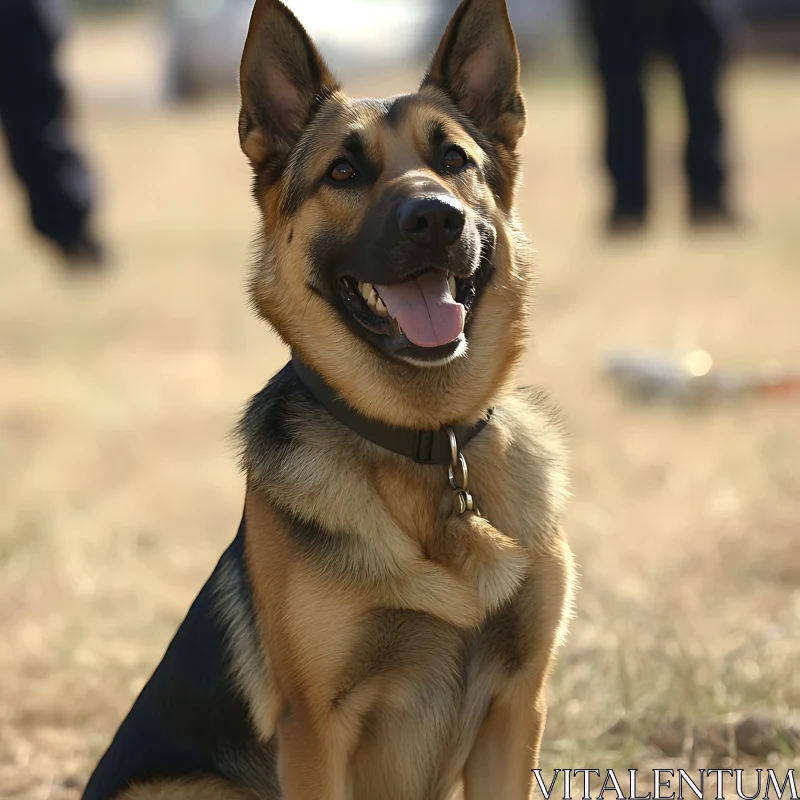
<point>399,523</point>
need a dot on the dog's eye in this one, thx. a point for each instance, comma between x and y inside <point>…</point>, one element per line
<point>454,159</point>
<point>343,171</point>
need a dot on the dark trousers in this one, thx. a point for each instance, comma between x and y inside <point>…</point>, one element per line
<point>33,114</point>
<point>626,31</point>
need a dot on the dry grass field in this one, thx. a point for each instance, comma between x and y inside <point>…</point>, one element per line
<point>119,487</point>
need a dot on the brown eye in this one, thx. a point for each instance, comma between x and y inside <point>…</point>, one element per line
<point>454,159</point>
<point>343,171</point>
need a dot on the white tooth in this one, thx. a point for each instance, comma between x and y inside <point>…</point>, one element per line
<point>380,308</point>
<point>365,289</point>
<point>372,300</point>
<point>451,282</point>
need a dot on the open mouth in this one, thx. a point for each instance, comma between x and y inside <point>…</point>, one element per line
<point>426,313</point>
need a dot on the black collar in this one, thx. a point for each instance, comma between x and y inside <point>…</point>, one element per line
<point>424,447</point>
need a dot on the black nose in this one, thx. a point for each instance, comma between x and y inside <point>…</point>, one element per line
<point>433,222</point>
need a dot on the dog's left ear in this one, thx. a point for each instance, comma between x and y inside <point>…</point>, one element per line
<point>281,78</point>
<point>477,64</point>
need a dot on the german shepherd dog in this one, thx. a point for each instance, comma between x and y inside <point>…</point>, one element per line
<point>383,625</point>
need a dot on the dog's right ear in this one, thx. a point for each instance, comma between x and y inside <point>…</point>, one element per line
<point>281,78</point>
<point>477,64</point>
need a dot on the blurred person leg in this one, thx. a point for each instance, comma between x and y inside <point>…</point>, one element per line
<point>33,114</point>
<point>618,28</point>
<point>694,42</point>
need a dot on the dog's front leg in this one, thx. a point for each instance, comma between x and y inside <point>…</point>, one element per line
<point>506,749</point>
<point>312,758</point>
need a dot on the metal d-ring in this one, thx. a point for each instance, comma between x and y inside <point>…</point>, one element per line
<point>462,499</point>
<point>463,485</point>
<point>451,435</point>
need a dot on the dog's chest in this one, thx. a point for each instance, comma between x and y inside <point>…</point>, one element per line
<point>430,685</point>
<point>386,612</point>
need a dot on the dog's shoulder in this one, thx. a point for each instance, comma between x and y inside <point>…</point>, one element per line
<point>269,426</point>
<point>535,413</point>
<point>297,455</point>
<point>521,464</point>
<point>531,427</point>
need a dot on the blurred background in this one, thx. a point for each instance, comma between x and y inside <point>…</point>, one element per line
<point>119,384</point>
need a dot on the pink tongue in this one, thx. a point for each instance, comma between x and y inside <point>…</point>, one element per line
<point>425,309</point>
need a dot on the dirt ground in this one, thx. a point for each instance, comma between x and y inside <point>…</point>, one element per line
<point>119,487</point>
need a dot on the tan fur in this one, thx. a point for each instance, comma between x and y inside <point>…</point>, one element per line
<point>398,513</point>
<point>311,629</point>
<point>508,743</point>
<point>399,648</point>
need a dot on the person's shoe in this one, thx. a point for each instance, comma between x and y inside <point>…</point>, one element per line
<point>711,214</point>
<point>625,222</point>
<point>84,254</point>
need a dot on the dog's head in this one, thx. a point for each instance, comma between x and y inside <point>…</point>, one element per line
<point>391,258</point>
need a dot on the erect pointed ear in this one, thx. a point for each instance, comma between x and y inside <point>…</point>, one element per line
<point>281,78</point>
<point>477,64</point>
